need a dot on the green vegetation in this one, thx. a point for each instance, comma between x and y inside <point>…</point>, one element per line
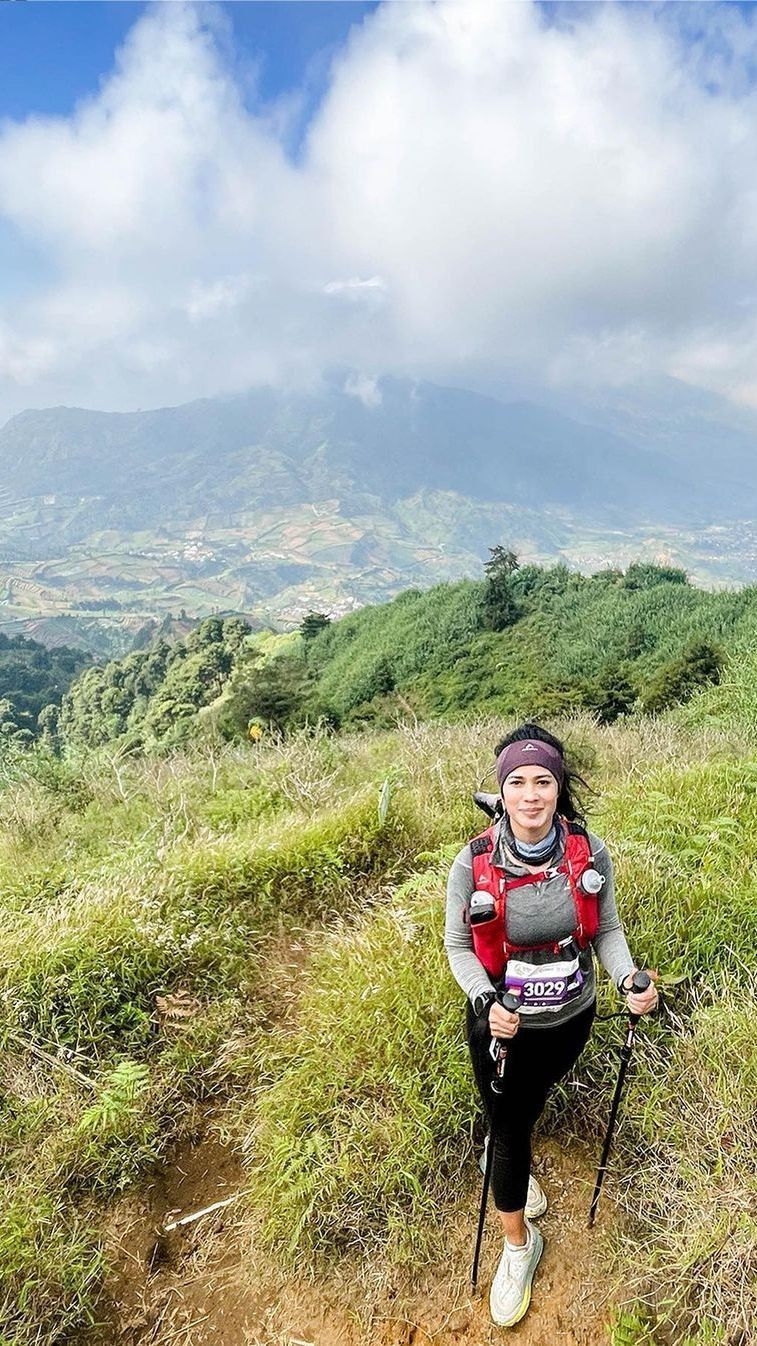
<point>153,695</point>
<point>33,680</point>
<point>500,605</point>
<point>383,1136</point>
<point>155,879</point>
<point>523,640</point>
<point>146,880</point>
<point>291,893</point>
<point>360,1128</point>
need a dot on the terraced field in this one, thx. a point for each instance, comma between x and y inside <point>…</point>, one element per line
<point>278,564</point>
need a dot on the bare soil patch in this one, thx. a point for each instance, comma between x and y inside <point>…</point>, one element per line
<point>205,1284</point>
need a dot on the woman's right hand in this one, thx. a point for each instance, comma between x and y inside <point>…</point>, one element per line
<point>502,1023</point>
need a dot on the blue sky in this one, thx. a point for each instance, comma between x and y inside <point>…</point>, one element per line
<point>195,199</point>
<point>54,52</point>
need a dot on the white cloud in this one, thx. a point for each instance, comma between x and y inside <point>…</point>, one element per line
<point>218,296</point>
<point>355,288</point>
<point>480,191</point>
<point>363,387</point>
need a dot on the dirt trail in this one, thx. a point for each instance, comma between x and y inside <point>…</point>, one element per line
<point>203,1285</point>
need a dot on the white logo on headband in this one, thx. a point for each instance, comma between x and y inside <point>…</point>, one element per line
<point>529,747</point>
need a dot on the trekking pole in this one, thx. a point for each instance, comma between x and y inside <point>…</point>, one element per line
<point>641,980</point>
<point>508,1002</point>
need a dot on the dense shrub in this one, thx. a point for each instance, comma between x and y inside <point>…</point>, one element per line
<point>677,680</point>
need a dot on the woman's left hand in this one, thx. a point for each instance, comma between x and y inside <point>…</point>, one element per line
<point>643,1001</point>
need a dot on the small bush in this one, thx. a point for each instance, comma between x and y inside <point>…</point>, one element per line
<point>678,679</point>
<point>80,976</point>
<point>302,870</point>
<point>731,703</point>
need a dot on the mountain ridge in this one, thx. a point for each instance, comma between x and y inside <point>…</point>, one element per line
<point>198,506</point>
<point>418,436</point>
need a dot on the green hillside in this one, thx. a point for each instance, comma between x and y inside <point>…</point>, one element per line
<point>251,933</point>
<point>130,886</point>
<point>524,640</point>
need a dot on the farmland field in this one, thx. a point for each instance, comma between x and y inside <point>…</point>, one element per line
<point>239,560</point>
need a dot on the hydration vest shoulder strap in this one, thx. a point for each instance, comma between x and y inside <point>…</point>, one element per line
<point>577,858</point>
<point>481,844</point>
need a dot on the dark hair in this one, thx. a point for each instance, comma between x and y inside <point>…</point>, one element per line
<point>568,804</point>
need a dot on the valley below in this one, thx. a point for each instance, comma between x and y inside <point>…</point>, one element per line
<point>275,565</point>
<point>272,504</point>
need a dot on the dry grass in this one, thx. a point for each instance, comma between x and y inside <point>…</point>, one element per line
<point>161,875</point>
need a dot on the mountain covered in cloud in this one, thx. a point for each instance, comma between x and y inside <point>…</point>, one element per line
<point>272,503</point>
<point>272,449</point>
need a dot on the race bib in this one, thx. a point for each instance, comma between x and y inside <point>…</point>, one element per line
<point>543,986</point>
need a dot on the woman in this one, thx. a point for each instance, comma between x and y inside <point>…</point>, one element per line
<point>527,901</point>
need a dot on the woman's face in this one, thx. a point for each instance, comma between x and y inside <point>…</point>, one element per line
<point>530,798</point>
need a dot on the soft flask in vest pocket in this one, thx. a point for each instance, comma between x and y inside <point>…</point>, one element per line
<point>482,915</point>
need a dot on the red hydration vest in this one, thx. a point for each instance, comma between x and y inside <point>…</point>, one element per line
<point>489,937</point>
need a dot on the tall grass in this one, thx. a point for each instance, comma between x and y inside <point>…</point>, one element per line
<point>127,881</point>
<point>358,1131</point>
<point>694,1112</point>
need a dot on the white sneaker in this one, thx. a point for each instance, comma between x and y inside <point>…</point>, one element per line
<point>536,1200</point>
<point>510,1294</point>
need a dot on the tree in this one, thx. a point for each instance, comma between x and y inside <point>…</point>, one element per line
<point>500,608</point>
<point>209,632</point>
<point>235,631</point>
<point>269,695</point>
<point>610,694</point>
<point>47,722</point>
<point>502,562</point>
<point>313,623</point>
<point>10,729</point>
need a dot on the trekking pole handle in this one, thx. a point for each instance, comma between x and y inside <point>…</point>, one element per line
<point>509,1002</point>
<point>640,982</point>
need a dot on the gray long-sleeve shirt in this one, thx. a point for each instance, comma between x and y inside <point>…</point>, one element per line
<point>536,915</point>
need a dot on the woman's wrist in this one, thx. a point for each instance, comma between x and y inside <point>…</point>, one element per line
<point>483,1002</point>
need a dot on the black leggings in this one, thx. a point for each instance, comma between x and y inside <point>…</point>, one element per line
<point>536,1059</point>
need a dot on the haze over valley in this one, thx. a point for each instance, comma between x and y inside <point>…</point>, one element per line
<point>274,503</point>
